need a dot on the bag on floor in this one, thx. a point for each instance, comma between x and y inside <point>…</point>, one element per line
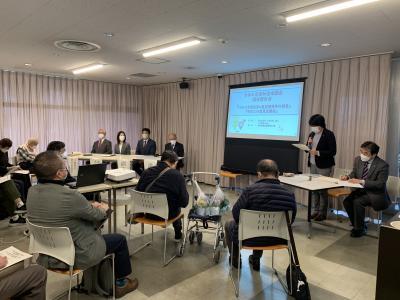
<point>298,286</point>
<point>98,279</point>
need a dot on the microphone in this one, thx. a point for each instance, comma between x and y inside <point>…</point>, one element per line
<point>310,138</point>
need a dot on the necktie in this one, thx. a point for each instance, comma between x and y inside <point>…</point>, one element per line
<point>144,143</point>
<point>365,171</point>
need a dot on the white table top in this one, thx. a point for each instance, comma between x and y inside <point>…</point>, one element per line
<point>116,157</point>
<point>94,188</point>
<point>316,183</point>
<point>122,184</point>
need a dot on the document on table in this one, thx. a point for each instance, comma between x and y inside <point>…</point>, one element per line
<point>342,183</point>
<point>14,255</point>
<point>301,147</point>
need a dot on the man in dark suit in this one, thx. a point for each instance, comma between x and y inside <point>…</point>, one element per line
<point>176,147</point>
<point>145,146</point>
<point>102,145</point>
<point>372,173</point>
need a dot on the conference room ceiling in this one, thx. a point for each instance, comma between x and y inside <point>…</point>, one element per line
<point>250,28</point>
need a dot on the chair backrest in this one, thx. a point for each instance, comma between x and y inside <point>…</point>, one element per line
<point>73,165</point>
<point>52,241</point>
<point>150,203</point>
<point>95,161</point>
<point>393,187</point>
<point>124,164</point>
<point>253,223</point>
<point>149,162</point>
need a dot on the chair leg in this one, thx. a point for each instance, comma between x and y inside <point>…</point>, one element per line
<point>231,272</point>
<point>130,226</point>
<point>165,243</point>
<point>113,276</point>
<point>126,213</point>
<point>282,281</point>
<point>70,282</point>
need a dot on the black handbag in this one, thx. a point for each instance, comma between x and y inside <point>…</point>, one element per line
<point>298,285</point>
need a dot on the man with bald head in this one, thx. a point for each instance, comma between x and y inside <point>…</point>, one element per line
<point>266,194</point>
<point>102,145</point>
<point>176,147</point>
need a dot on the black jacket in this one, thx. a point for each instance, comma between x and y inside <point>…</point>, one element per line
<point>104,148</point>
<point>4,163</point>
<point>327,150</point>
<point>149,149</point>
<point>179,150</point>
<point>264,195</point>
<point>171,183</point>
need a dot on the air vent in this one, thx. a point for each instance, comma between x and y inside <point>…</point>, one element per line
<point>153,60</point>
<point>142,75</point>
<point>80,46</point>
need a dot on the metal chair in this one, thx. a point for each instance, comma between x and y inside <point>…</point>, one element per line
<point>157,205</point>
<point>57,242</point>
<point>262,224</point>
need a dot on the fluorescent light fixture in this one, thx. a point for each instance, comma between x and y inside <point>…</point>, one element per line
<point>326,44</point>
<point>188,42</point>
<point>224,61</point>
<point>87,69</point>
<point>327,10</point>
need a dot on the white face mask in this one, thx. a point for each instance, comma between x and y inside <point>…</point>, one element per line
<point>315,129</point>
<point>364,158</point>
<point>173,142</point>
<point>145,136</point>
<point>121,138</point>
<point>101,136</point>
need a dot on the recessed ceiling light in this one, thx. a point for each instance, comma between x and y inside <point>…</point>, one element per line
<point>87,69</point>
<point>224,61</point>
<point>128,78</point>
<point>326,44</point>
<point>28,65</point>
<point>184,43</point>
<point>108,34</point>
<point>281,25</point>
<point>327,9</point>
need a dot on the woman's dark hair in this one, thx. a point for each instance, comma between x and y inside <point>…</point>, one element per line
<point>5,143</point>
<point>121,132</point>
<point>146,130</point>
<point>372,147</point>
<point>317,120</point>
<point>55,146</point>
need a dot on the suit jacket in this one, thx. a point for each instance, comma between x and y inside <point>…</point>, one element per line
<point>179,150</point>
<point>126,149</point>
<point>104,148</point>
<point>375,183</point>
<point>150,148</point>
<point>327,150</point>
<point>4,164</point>
<point>52,204</point>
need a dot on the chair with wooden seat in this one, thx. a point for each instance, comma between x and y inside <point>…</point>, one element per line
<point>156,205</point>
<point>233,176</point>
<point>337,194</point>
<point>57,242</point>
<point>254,224</point>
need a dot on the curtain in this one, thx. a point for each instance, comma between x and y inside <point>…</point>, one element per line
<point>351,93</point>
<point>70,110</point>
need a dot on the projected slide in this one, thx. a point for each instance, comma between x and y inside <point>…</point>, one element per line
<point>271,112</point>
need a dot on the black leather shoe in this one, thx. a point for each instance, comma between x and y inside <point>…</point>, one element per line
<point>255,263</point>
<point>356,233</point>
<point>313,215</point>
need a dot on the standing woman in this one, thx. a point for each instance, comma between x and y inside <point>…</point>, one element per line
<point>322,144</point>
<point>121,147</point>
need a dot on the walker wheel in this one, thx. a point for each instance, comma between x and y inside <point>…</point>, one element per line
<point>191,237</point>
<point>199,237</point>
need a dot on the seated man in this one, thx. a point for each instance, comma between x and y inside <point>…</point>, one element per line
<point>145,146</point>
<point>171,183</point>
<point>177,147</point>
<point>372,173</point>
<point>52,204</point>
<point>29,283</point>
<point>265,195</point>
<point>102,145</point>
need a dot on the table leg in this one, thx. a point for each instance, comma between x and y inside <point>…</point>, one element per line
<point>309,213</point>
<point>109,205</point>
<point>115,209</point>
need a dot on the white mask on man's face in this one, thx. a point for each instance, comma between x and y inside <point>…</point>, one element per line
<point>145,136</point>
<point>173,142</point>
<point>101,136</point>
<point>364,158</point>
<point>315,129</point>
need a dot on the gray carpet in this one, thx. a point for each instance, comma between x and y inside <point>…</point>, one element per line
<point>153,277</point>
<point>360,254</point>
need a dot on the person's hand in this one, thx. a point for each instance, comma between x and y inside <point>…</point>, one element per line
<point>355,180</point>
<point>95,204</point>
<point>344,177</point>
<point>3,261</point>
<point>313,152</point>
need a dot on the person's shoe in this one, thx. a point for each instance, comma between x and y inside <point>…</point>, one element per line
<point>178,236</point>
<point>313,215</point>
<point>20,210</point>
<point>320,217</point>
<point>356,233</point>
<point>130,286</point>
<point>255,263</point>
<point>19,221</point>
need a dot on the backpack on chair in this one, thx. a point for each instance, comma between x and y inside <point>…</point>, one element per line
<point>298,286</point>
<point>98,279</point>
